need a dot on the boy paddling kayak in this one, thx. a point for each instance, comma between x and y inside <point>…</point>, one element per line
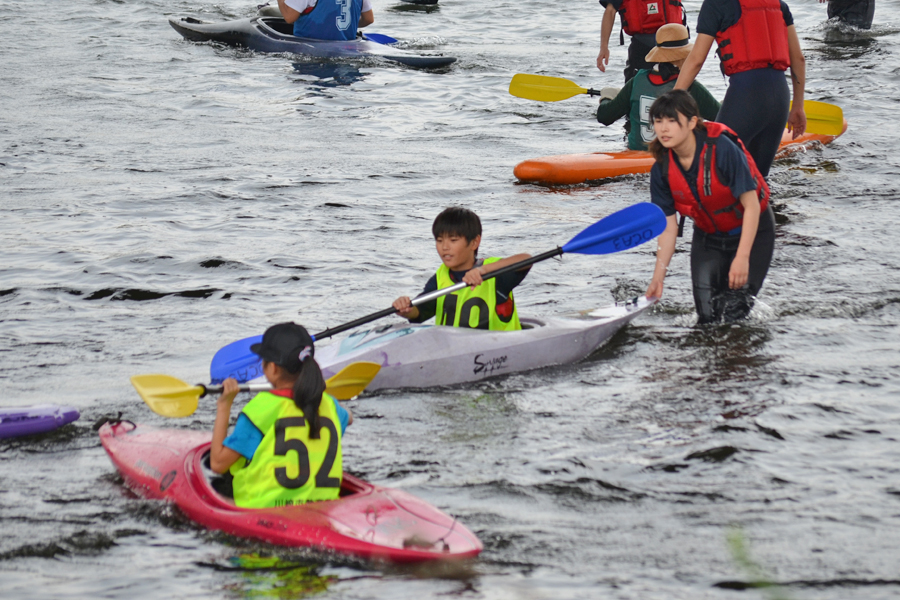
<point>457,236</point>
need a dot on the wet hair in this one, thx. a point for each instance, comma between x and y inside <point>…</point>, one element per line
<point>672,105</point>
<point>457,220</point>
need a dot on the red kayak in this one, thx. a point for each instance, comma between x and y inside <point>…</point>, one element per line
<point>367,521</point>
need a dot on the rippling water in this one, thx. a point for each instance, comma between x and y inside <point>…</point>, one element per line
<point>163,198</point>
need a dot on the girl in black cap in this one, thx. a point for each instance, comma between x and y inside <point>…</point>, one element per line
<point>286,445</point>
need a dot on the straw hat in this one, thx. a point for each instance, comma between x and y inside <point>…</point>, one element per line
<point>672,43</point>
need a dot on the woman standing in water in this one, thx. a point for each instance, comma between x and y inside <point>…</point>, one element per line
<point>757,42</point>
<point>703,171</point>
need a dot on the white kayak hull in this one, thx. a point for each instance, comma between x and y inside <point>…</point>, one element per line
<point>423,356</point>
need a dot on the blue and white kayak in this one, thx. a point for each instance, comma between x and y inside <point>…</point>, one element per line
<point>273,34</point>
<point>423,356</point>
<point>30,420</point>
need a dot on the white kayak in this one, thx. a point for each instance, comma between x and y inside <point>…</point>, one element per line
<point>422,356</point>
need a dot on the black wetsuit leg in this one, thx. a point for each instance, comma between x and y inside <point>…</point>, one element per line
<point>711,257</point>
<point>637,57</point>
<point>756,106</point>
<point>858,13</point>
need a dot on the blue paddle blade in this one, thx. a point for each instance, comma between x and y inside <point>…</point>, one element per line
<point>236,360</point>
<point>619,231</point>
<point>380,38</point>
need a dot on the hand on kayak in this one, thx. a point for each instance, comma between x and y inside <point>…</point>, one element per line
<point>740,270</point>
<point>405,308</point>
<point>655,289</point>
<point>473,277</point>
<point>797,121</point>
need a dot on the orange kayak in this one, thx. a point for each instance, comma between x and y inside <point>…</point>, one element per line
<point>589,166</point>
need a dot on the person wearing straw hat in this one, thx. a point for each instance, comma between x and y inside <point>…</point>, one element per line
<point>672,46</point>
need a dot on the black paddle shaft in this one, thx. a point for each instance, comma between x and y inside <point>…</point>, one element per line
<point>436,294</point>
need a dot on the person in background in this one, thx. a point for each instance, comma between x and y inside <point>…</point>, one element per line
<point>757,42</point>
<point>640,19</point>
<point>858,13</point>
<point>327,19</point>
<point>672,47</point>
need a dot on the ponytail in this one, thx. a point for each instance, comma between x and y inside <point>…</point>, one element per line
<point>308,390</point>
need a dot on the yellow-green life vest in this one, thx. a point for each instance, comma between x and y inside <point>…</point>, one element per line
<point>476,308</point>
<point>288,467</point>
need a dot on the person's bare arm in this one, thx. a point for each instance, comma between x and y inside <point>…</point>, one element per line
<point>222,457</point>
<point>290,15</point>
<point>740,265</point>
<point>665,249</point>
<point>694,61</point>
<point>606,27</point>
<point>366,18</point>
<point>797,118</point>
<point>474,277</point>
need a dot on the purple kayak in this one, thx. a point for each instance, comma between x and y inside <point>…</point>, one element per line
<point>29,420</point>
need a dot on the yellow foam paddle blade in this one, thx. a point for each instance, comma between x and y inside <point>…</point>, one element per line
<point>166,395</point>
<point>350,381</point>
<point>543,88</point>
<point>823,118</point>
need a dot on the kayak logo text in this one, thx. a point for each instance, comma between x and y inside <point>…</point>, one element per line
<point>635,239</point>
<point>488,367</point>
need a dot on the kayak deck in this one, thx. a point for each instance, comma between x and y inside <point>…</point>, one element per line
<point>568,169</point>
<point>367,521</point>
<point>274,34</point>
<point>427,356</point>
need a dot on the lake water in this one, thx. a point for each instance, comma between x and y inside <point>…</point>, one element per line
<point>162,198</point>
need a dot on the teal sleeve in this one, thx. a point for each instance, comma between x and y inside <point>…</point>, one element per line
<point>708,105</point>
<point>611,111</point>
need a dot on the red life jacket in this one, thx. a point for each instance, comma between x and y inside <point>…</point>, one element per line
<point>758,40</point>
<point>646,16</point>
<point>716,210</point>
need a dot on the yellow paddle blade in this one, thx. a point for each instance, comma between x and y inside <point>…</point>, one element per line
<point>823,118</point>
<point>350,381</point>
<point>543,88</point>
<point>166,395</point>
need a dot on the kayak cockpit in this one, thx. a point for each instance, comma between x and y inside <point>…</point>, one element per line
<point>276,25</point>
<point>221,483</point>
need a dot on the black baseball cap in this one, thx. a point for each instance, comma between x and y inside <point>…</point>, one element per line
<point>286,345</point>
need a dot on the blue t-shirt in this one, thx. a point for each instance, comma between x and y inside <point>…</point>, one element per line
<point>731,168</point>
<point>330,20</point>
<point>719,15</point>
<point>245,438</point>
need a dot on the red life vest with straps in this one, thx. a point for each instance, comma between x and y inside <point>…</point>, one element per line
<point>716,210</point>
<point>646,16</point>
<point>758,40</point>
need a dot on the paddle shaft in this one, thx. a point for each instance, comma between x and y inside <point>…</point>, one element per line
<point>209,388</point>
<point>436,294</point>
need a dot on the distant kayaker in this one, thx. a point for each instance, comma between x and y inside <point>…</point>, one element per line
<point>858,13</point>
<point>672,47</point>
<point>640,19</point>
<point>286,445</point>
<point>327,19</point>
<point>703,171</point>
<point>756,42</point>
<point>457,235</point>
